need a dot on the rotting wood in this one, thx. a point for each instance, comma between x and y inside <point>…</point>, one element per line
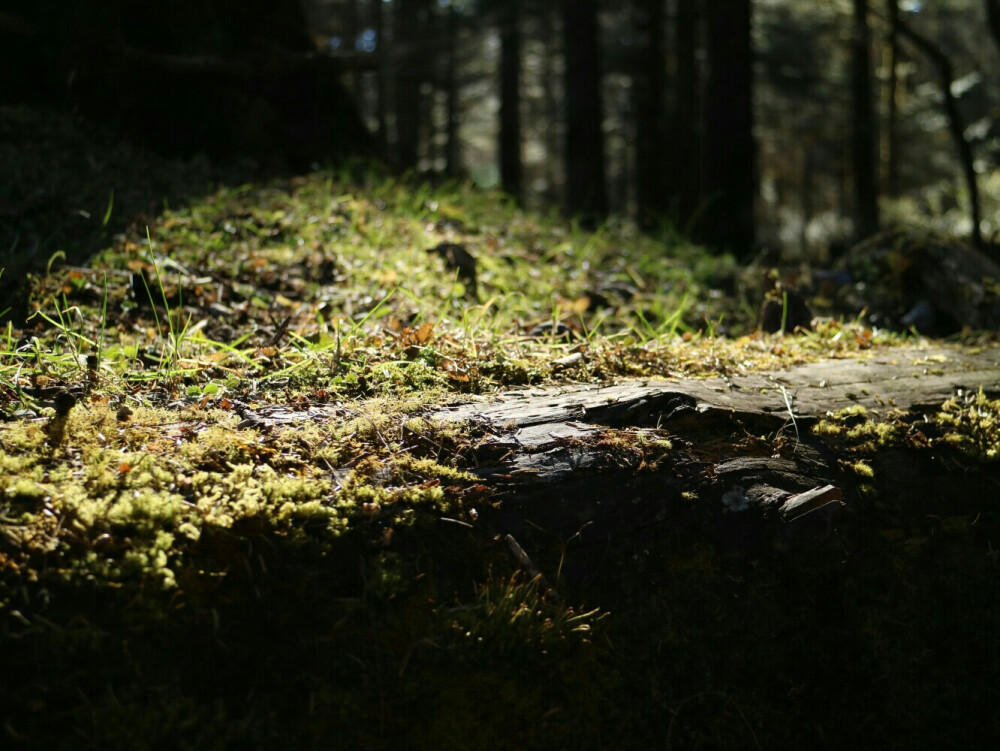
<point>892,379</point>
<point>556,477</point>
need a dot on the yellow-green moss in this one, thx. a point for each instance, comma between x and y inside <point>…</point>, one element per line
<point>972,425</point>
<point>862,469</point>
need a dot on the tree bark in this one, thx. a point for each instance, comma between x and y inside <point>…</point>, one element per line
<point>510,99</point>
<point>728,156</point>
<point>586,198</point>
<point>864,128</point>
<point>649,98</point>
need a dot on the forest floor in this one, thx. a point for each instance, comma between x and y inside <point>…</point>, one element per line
<point>236,512</point>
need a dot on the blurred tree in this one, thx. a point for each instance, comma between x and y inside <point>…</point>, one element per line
<point>381,75</point>
<point>993,16</point>
<point>649,100</point>
<point>352,23</point>
<point>548,112</point>
<point>956,125</point>
<point>728,169</point>
<point>670,82</point>
<point>452,156</point>
<point>224,77</point>
<point>684,178</point>
<point>891,159</point>
<point>510,98</point>
<point>585,190</point>
<point>864,127</point>
<point>408,46</point>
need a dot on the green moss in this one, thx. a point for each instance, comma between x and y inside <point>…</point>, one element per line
<point>862,469</point>
<point>972,425</point>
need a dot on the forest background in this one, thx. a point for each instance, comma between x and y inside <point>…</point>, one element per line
<point>797,127</point>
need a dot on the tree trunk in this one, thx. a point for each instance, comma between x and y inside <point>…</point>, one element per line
<point>729,178</point>
<point>955,125</point>
<point>553,137</point>
<point>649,95</point>
<point>510,99</point>
<point>807,161</point>
<point>406,42</point>
<point>451,153</point>
<point>585,190</point>
<point>891,136</point>
<point>350,42</point>
<point>993,18</point>
<point>864,128</point>
<point>381,94</point>
<point>684,179</point>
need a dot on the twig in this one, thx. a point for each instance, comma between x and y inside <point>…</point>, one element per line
<point>531,568</point>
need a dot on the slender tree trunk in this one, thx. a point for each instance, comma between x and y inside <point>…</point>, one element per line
<point>350,41</point>
<point>381,96</point>
<point>451,149</point>
<point>553,136</point>
<point>728,163</point>
<point>685,178</point>
<point>864,127</point>
<point>406,38</point>
<point>993,18</point>
<point>510,98</point>
<point>955,124</point>
<point>585,190</point>
<point>891,136</point>
<point>649,98</point>
<point>432,53</point>
<point>807,162</point>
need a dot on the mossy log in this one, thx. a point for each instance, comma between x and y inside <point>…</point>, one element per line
<point>575,461</point>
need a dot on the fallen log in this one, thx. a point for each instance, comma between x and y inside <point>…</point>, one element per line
<point>561,457</point>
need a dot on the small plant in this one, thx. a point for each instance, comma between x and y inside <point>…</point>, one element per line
<point>513,615</point>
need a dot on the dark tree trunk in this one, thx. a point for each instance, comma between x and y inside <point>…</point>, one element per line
<point>406,39</point>
<point>993,17</point>
<point>381,95</point>
<point>649,96</point>
<point>510,99</point>
<point>955,125</point>
<point>451,149</point>
<point>684,179</point>
<point>892,139</point>
<point>808,169</point>
<point>350,42</point>
<point>729,178</point>
<point>864,127</point>
<point>585,191</point>
<point>553,137</point>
